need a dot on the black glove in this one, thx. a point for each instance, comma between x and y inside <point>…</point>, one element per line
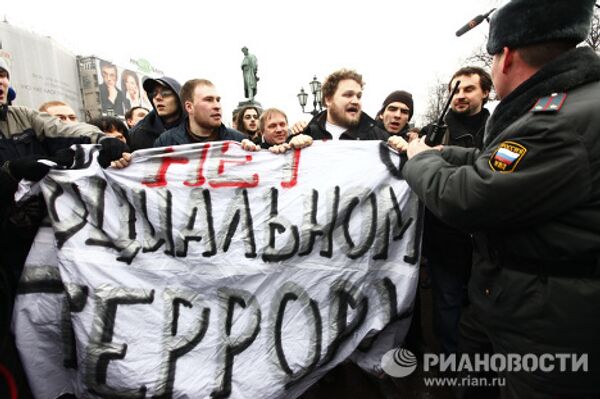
<point>64,158</point>
<point>30,168</point>
<point>112,149</point>
<point>27,168</point>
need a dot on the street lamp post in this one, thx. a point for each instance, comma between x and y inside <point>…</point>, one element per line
<point>315,88</point>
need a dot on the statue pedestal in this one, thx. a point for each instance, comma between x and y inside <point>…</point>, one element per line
<point>246,103</point>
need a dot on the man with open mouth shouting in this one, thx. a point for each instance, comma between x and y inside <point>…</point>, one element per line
<point>344,119</point>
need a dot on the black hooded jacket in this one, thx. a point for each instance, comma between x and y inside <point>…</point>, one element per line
<point>145,133</point>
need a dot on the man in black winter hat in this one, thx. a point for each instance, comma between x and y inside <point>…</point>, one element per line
<point>396,111</point>
<point>530,198</point>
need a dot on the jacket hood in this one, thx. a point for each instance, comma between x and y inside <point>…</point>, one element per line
<point>149,84</point>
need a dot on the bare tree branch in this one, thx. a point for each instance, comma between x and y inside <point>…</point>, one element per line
<point>480,57</point>
<point>438,94</point>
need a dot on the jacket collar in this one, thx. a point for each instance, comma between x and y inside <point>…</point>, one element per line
<point>570,70</point>
<point>364,123</point>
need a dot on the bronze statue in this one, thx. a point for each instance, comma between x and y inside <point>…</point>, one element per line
<point>249,68</point>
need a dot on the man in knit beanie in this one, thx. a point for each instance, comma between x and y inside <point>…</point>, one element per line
<point>396,111</point>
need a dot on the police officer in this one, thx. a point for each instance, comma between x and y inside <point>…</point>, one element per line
<point>531,199</point>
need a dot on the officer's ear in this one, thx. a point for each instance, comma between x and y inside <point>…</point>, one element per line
<point>506,59</point>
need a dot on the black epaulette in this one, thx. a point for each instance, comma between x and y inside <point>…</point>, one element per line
<point>549,104</point>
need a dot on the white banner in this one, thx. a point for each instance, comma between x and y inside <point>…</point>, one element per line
<point>204,270</point>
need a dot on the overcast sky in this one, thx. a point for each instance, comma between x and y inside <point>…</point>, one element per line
<point>393,44</point>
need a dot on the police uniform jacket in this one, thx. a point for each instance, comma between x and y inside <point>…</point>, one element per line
<point>531,199</point>
<point>534,190</point>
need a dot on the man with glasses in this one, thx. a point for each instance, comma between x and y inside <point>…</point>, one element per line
<point>167,112</point>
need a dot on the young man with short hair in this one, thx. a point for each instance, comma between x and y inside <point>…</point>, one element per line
<point>203,122</point>
<point>396,111</point>
<point>60,110</point>
<point>274,134</point>
<point>134,115</point>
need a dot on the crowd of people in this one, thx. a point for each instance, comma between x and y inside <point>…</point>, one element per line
<point>511,237</point>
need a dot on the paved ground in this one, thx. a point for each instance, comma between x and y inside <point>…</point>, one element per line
<point>413,386</point>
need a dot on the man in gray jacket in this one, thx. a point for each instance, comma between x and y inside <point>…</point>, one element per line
<point>25,136</point>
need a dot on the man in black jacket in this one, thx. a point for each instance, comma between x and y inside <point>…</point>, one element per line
<point>25,136</point>
<point>530,199</point>
<point>447,249</point>
<point>112,99</point>
<point>167,112</point>
<point>396,111</point>
<point>344,119</point>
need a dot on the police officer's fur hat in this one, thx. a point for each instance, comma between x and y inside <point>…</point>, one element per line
<point>4,65</point>
<point>524,22</point>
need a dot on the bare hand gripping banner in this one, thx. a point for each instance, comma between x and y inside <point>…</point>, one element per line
<point>207,271</point>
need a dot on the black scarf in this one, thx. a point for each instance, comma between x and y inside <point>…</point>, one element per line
<point>568,71</point>
<point>467,130</point>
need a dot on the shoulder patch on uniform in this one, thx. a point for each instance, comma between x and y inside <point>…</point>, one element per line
<point>507,156</point>
<point>549,104</point>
